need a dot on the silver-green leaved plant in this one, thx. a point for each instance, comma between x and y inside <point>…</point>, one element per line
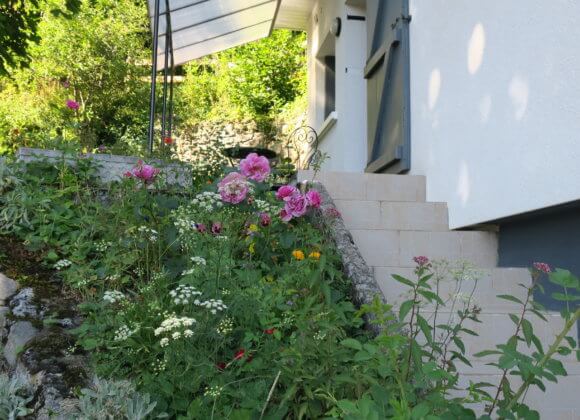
<point>114,400</point>
<point>15,394</point>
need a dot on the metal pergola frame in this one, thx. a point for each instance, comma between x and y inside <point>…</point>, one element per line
<point>167,114</point>
<point>265,15</point>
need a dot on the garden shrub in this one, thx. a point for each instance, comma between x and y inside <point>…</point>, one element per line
<point>229,302</point>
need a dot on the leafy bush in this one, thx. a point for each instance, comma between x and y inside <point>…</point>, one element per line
<point>95,60</point>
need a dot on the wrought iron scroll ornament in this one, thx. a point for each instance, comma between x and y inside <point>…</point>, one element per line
<point>300,137</point>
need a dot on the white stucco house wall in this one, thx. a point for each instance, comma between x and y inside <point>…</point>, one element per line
<point>494,98</point>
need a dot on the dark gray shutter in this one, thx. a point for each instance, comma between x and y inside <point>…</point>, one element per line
<point>388,86</point>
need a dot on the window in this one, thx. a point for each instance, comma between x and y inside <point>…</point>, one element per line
<point>329,84</point>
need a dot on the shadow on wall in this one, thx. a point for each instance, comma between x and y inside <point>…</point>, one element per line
<point>551,236</point>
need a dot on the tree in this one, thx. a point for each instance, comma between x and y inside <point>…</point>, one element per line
<point>19,21</point>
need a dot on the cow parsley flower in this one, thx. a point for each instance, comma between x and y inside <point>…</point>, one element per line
<point>148,233</point>
<point>182,294</point>
<point>124,332</point>
<point>62,264</point>
<point>214,305</point>
<point>113,296</point>
<point>198,260</point>
<point>225,326</point>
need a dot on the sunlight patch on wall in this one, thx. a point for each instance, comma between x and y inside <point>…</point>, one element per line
<point>475,49</point>
<point>519,93</point>
<point>463,183</point>
<point>434,87</point>
<point>485,108</point>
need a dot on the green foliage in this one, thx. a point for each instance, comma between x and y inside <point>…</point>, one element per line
<point>15,394</point>
<point>95,59</point>
<point>19,21</point>
<point>214,314</point>
<point>113,400</point>
<point>255,81</point>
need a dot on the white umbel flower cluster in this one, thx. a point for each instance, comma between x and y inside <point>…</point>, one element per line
<point>124,332</point>
<point>183,294</point>
<point>213,392</point>
<point>198,260</point>
<point>62,264</point>
<point>175,327</point>
<point>225,326</point>
<point>150,234</point>
<point>265,207</point>
<point>207,201</point>
<point>113,296</point>
<point>102,246</point>
<point>214,305</point>
<point>184,224</point>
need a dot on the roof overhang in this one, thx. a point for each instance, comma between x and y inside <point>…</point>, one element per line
<point>195,28</point>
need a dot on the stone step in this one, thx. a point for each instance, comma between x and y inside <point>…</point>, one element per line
<point>392,248</point>
<point>373,187</point>
<point>391,215</point>
<point>490,283</point>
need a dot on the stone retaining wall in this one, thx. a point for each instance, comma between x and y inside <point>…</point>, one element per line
<point>110,167</point>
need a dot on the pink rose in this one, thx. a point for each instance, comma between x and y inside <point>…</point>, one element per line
<point>285,216</point>
<point>70,104</point>
<point>145,173</point>
<point>265,219</point>
<point>216,228</point>
<point>254,167</point>
<point>297,205</point>
<point>313,198</point>
<point>233,188</point>
<point>286,192</point>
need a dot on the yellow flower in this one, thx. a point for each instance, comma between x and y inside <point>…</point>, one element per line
<point>299,255</point>
<point>315,255</point>
<point>252,248</point>
<point>253,228</point>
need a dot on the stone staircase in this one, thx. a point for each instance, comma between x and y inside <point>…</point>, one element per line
<point>391,222</point>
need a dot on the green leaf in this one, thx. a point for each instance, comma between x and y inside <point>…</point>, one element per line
<point>459,344</point>
<point>487,353</point>
<point>539,314</point>
<point>403,280</point>
<point>420,411</point>
<point>514,318</point>
<point>510,298</point>
<point>405,308</point>
<point>351,343</point>
<point>425,328</point>
<point>565,297</point>
<point>564,278</point>
<point>431,296</point>
<point>528,331</point>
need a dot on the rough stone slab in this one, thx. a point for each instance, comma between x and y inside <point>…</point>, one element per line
<point>22,304</point>
<point>20,334</point>
<point>7,287</point>
<point>354,265</point>
<point>110,168</point>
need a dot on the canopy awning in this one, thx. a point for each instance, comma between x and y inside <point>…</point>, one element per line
<point>196,28</point>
